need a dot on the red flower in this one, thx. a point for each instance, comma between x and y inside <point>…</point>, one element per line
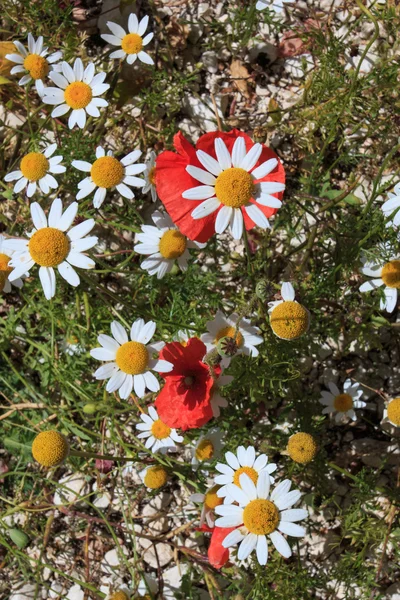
<point>217,554</point>
<point>185,400</point>
<point>225,181</point>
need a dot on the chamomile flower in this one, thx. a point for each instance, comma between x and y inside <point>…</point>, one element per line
<point>71,346</point>
<point>131,362</point>
<point>108,172</point>
<point>50,448</point>
<point>206,448</point>
<point>259,515</point>
<point>383,273</point>
<point>122,593</point>
<point>244,461</point>
<point>150,177</point>
<point>288,318</point>
<point>78,90</point>
<point>247,337</point>
<point>159,435</point>
<point>34,62</point>
<point>164,244</point>
<point>131,43</point>
<point>230,182</point>
<point>5,268</point>
<point>210,500</point>
<point>275,5</point>
<point>37,168</point>
<point>342,403</point>
<point>51,246</point>
<point>391,206</point>
<point>154,477</point>
<point>391,412</point>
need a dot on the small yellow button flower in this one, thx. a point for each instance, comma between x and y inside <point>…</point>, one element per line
<point>302,448</point>
<point>50,448</point>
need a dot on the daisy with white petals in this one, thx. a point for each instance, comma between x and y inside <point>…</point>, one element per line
<point>37,168</point>
<point>159,435</point>
<point>150,176</point>
<point>342,403</point>
<point>51,246</point>
<point>164,244</point>
<point>259,515</point>
<point>78,91</point>
<point>34,62</point>
<point>391,207</point>
<point>108,172</point>
<point>5,269</point>
<point>229,183</point>
<point>131,43</point>
<point>131,360</point>
<point>244,461</point>
<point>383,273</point>
<point>206,448</point>
<point>247,337</point>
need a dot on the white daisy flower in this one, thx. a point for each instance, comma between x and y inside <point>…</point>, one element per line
<point>121,593</point>
<point>275,5</point>
<point>391,206</point>
<point>149,176</point>
<point>159,435</point>
<point>288,318</point>
<point>164,244</point>
<point>34,62</point>
<point>391,413</point>
<point>229,183</point>
<point>210,500</point>
<point>132,360</point>
<point>108,172</point>
<point>342,403</point>
<point>247,337</point>
<point>183,336</point>
<point>78,90</point>
<point>206,448</point>
<point>71,346</point>
<point>5,269</point>
<point>259,515</point>
<point>217,401</point>
<point>37,168</point>
<point>154,477</point>
<point>131,43</point>
<point>383,273</point>
<point>50,245</point>
<point>244,461</point>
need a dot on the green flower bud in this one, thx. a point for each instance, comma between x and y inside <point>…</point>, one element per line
<point>20,539</point>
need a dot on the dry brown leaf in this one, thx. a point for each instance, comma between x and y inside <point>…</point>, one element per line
<point>6,65</point>
<point>177,34</point>
<point>241,76</point>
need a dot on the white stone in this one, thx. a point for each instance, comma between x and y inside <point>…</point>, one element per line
<point>164,553</point>
<point>71,487</point>
<point>173,580</point>
<point>26,592</point>
<point>76,593</point>
<point>112,560</point>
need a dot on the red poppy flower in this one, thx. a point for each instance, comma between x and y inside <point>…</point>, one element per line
<point>217,554</point>
<point>185,400</point>
<point>227,180</point>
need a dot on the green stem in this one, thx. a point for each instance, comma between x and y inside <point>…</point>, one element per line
<point>82,454</point>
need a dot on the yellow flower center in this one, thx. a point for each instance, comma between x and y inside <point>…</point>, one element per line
<point>107,172</point>
<point>72,340</point>
<point>119,595</point>
<point>3,279</point>
<point>50,448</point>
<point>37,66</point>
<point>302,448</point>
<point>4,268</point>
<point>160,430</point>
<point>393,411</point>
<point>234,187</point>
<point>155,477</point>
<point>229,332</point>
<point>48,247</point>
<point>152,175</point>
<point>211,499</point>
<point>343,402</point>
<point>205,450</point>
<point>132,358</point>
<point>261,517</point>
<point>252,473</point>
<point>391,274</point>
<point>78,94</point>
<point>289,320</point>
<point>172,244</point>
<point>34,166</point>
<point>132,43</point>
